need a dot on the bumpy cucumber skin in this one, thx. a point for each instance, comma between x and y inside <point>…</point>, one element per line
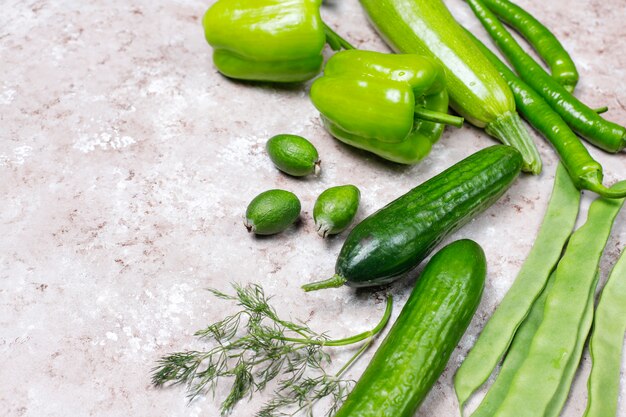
<point>292,154</point>
<point>419,345</point>
<point>396,238</point>
<point>335,209</point>
<point>272,212</point>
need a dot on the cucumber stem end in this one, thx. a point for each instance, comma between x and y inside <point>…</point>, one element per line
<point>335,281</point>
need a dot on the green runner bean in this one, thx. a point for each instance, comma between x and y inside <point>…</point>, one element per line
<point>607,343</point>
<point>538,379</point>
<point>514,357</point>
<point>557,402</point>
<point>519,351</point>
<point>496,337</point>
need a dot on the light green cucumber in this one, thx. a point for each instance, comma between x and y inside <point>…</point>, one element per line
<point>272,212</point>
<point>335,209</point>
<point>477,91</point>
<point>294,155</point>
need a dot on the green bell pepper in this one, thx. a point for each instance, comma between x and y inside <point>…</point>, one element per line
<point>392,105</point>
<point>269,40</point>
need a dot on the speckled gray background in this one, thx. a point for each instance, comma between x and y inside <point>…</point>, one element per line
<point>126,162</point>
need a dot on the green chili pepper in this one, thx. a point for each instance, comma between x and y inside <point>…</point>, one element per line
<point>477,92</point>
<point>496,337</point>
<point>600,132</point>
<point>391,105</point>
<point>269,40</point>
<point>538,380</point>
<point>585,171</point>
<point>607,343</point>
<point>542,40</point>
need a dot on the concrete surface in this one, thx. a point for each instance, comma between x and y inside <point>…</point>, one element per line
<point>127,162</point>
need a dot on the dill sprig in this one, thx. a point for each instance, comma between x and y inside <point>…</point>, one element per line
<point>254,347</point>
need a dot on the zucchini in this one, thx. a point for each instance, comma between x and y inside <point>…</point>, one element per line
<point>420,343</point>
<point>399,236</point>
<point>477,91</point>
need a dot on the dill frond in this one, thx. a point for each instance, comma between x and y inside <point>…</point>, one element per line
<point>254,347</point>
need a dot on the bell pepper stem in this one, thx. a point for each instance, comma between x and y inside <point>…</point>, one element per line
<point>438,117</point>
<point>334,40</point>
<point>333,282</point>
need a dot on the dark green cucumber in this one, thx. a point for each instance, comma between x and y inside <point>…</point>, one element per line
<point>419,344</point>
<point>399,236</point>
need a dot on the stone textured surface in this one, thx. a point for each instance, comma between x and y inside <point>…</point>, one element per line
<point>127,162</point>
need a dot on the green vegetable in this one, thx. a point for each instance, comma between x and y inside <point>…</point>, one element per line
<point>515,356</point>
<point>477,92</point>
<point>390,105</point>
<point>585,171</point>
<point>543,41</point>
<point>497,335</point>
<point>272,212</point>
<point>558,400</point>
<point>538,380</point>
<point>335,209</point>
<point>604,134</point>
<point>601,110</point>
<point>268,40</point>
<point>418,346</point>
<point>399,236</point>
<point>253,347</point>
<point>607,343</point>
<point>519,351</point>
<point>294,155</point>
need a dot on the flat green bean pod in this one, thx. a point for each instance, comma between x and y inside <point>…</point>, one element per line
<point>557,402</point>
<point>496,337</point>
<point>607,343</point>
<point>540,38</point>
<point>514,356</point>
<point>539,378</point>
<point>519,351</point>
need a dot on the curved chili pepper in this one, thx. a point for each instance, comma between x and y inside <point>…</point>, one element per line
<point>390,105</point>
<point>600,132</point>
<point>269,40</point>
<point>586,172</point>
<point>542,40</point>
